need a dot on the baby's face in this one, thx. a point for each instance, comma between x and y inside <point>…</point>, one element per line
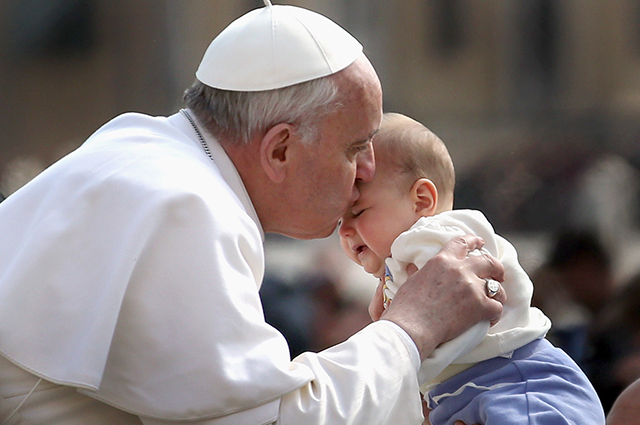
<point>382,212</point>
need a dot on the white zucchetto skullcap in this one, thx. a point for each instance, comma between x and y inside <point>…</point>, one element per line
<point>274,47</point>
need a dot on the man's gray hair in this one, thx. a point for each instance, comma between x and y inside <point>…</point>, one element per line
<point>237,116</point>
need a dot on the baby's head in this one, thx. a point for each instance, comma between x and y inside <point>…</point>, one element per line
<point>414,178</point>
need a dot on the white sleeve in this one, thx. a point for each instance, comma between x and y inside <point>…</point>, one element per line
<point>369,379</point>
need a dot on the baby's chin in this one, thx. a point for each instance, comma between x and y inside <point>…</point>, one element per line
<point>376,269</point>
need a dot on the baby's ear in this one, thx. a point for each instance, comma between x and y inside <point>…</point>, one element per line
<point>425,197</point>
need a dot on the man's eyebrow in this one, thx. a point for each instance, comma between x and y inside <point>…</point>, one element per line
<point>374,133</point>
<point>368,139</point>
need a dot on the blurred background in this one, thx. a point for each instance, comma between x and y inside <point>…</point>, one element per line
<point>537,100</point>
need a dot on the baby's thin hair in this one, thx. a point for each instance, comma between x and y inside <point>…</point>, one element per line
<point>415,151</point>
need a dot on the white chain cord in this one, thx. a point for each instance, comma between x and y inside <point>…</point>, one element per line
<point>21,403</point>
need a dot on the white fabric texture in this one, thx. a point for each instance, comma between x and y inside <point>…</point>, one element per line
<point>520,323</point>
<point>130,270</point>
<point>50,403</point>
<point>287,45</point>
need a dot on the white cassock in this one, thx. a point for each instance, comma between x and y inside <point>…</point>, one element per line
<point>129,277</point>
<point>520,323</point>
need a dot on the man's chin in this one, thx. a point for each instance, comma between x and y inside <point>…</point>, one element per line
<point>317,230</point>
<point>320,233</point>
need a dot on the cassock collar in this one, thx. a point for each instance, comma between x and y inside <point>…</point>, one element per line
<point>220,158</point>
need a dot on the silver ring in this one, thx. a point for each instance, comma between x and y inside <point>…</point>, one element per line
<point>492,287</point>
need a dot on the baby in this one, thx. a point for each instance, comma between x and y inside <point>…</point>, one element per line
<point>505,374</point>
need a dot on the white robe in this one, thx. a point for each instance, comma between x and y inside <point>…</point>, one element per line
<point>520,323</point>
<point>130,270</point>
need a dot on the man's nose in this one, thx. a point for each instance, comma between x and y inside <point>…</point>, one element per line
<point>365,165</point>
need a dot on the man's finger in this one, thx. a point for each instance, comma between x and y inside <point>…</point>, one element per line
<point>494,290</point>
<point>376,306</point>
<point>486,266</point>
<point>461,246</point>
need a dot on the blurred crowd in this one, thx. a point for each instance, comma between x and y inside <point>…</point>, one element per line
<point>313,293</point>
<point>596,320</point>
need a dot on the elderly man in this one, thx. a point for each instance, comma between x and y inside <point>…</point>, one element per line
<point>130,269</point>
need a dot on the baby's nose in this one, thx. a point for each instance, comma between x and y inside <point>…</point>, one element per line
<point>344,228</point>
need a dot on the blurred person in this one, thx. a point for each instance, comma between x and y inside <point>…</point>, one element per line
<point>130,269</point>
<point>507,374</point>
<point>290,308</point>
<point>336,315</point>
<point>314,295</point>
<point>613,360</point>
<point>313,312</point>
<point>626,409</point>
<point>342,298</point>
<point>584,267</point>
<point>573,286</point>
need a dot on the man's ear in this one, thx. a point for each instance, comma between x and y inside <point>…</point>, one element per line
<point>274,151</point>
<point>425,197</point>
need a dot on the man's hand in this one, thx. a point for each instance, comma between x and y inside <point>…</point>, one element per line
<point>447,296</point>
<point>376,306</point>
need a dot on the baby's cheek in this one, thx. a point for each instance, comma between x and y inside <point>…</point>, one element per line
<point>345,248</point>
<point>352,256</point>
